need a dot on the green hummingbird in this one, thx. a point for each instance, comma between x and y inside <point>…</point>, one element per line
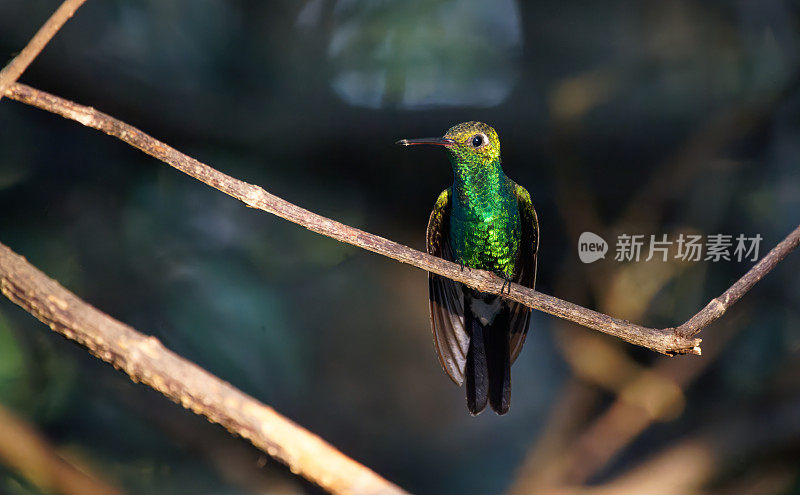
<point>484,220</point>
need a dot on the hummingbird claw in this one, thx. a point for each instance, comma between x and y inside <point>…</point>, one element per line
<point>506,285</point>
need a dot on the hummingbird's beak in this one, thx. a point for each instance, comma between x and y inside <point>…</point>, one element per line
<point>440,141</point>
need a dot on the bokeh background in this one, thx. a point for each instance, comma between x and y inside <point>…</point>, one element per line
<point>639,117</point>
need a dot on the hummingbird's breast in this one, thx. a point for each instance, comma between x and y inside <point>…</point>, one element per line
<point>485,229</point>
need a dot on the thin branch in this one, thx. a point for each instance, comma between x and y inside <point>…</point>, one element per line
<point>146,360</point>
<point>719,305</point>
<point>666,341</point>
<point>17,66</point>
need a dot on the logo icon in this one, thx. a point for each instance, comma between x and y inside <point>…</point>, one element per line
<point>591,247</point>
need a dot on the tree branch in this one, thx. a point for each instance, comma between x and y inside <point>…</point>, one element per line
<point>719,305</point>
<point>18,64</point>
<point>667,341</point>
<point>146,360</point>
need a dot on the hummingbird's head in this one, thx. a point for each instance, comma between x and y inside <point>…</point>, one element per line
<point>473,143</point>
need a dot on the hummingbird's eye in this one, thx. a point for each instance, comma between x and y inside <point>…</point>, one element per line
<point>477,140</point>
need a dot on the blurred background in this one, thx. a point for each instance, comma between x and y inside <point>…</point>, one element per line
<point>638,117</point>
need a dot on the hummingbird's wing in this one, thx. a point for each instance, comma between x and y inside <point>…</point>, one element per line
<point>525,269</point>
<point>446,298</point>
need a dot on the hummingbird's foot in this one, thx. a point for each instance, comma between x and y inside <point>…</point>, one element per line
<point>506,285</point>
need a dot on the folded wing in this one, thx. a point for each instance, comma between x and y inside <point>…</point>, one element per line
<point>525,269</point>
<point>446,297</point>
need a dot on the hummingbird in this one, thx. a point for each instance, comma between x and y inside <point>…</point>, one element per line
<point>487,221</point>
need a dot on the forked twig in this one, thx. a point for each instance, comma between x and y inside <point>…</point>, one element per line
<point>668,341</point>
<point>18,64</point>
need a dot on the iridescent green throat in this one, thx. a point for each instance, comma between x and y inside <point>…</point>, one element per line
<point>484,220</point>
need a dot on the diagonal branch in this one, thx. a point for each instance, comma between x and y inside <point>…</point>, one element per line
<point>668,341</point>
<point>146,360</point>
<point>719,305</point>
<point>17,66</point>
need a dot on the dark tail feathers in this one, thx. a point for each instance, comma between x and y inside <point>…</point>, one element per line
<point>488,367</point>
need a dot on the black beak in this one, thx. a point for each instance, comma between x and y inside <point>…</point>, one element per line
<point>440,141</point>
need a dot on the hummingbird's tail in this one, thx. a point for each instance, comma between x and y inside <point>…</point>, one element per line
<point>475,372</point>
<point>498,363</point>
<point>488,366</point>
